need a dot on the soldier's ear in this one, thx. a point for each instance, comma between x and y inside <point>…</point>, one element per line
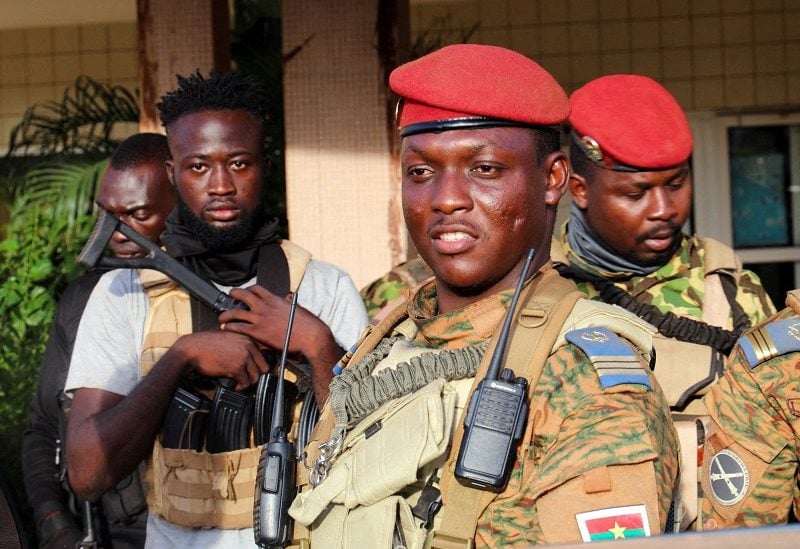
<point>170,174</point>
<point>557,177</point>
<point>578,189</point>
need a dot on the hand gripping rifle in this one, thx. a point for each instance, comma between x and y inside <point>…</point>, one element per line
<point>275,477</point>
<point>230,413</point>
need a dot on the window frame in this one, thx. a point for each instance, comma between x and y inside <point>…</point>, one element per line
<point>713,210</point>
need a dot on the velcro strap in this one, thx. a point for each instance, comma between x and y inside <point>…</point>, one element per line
<point>227,521</point>
<point>205,491</point>
<point>239,459</point>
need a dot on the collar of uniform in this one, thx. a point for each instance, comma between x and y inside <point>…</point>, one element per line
<point>682,260</point>
<point>466,326</point>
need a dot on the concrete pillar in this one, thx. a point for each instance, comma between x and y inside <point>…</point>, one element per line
<point>342,175</point>
<point>178,37</point>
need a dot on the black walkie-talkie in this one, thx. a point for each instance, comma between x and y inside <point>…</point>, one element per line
<point>496,416</point>
<point>275,486</point>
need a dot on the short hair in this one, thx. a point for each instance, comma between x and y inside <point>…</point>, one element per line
<point>581,164</point>
<point>548,140</point>
<point>219,91</point>
<point>139,149</point>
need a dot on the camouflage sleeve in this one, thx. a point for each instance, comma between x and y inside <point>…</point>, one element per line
<point>390,288</point>
<point>753,298</point>
<point>380,293</point>
<point>750,468</point>
<point>596,456</point>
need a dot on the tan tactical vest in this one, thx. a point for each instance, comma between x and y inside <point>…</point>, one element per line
<point>686,370</point>
<point>360,503</point>
<point>188,488</point>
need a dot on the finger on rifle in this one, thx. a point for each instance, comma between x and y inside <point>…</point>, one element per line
<point>259,362</point>
<point>236,315</point>
<point>238,326</point>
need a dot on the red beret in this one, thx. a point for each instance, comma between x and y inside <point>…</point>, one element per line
<point>473,85</point>
<point>626,121</point>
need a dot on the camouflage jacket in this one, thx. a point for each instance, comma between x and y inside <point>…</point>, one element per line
<point>752,452</point>
<point>678,286</point>
<point>604,451</point>
<point>391,288</point>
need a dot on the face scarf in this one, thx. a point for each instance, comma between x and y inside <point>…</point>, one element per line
<point>590,248</point>
<point>230,266</point>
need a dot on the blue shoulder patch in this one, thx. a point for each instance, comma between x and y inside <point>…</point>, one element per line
<point>614,359</point>
<point>770,340</point>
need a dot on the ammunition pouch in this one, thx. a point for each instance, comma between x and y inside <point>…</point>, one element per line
<point>188,484</point>
<point>125,502</point>
<point>381,456</point>
<point>199,489</point>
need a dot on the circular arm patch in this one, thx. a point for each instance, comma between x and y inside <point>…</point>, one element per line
<point>728,477</point>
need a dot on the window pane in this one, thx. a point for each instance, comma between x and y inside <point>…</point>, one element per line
<point>777,279</point>
<point>761,185</point>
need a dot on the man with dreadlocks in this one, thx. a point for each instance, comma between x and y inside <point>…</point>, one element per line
<point>631,186</point>
<point>142,337</point>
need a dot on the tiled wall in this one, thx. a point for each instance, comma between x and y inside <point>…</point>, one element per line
<point>38,64</point>
<point>711,54</point>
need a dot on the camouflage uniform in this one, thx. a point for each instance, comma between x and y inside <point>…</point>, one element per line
<point>581,430</point>
<point>677,286</point>
<point>391,287</point>
<point>752,452</point>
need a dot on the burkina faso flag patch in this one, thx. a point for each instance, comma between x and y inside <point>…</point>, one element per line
<point>614,523</point>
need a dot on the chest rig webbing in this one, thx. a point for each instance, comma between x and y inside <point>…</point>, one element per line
<point>550,305</point>
<point>200,489</point>
<point>693,351</point>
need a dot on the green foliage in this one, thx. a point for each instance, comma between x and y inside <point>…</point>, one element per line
<point>82,122</point>
<point>47,184</point>
<point>441,32</point>
<point>49,224</point>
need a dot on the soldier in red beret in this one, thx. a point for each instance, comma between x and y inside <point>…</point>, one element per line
<point>422,442</point>
<point>631,186</point>
<point>623,243</point>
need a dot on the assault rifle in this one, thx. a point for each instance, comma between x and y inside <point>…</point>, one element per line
<point>230,414</point>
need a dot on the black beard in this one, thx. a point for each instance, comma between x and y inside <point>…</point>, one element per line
<point>216,239</point>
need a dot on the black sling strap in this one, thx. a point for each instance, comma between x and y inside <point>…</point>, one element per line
<point>272,274</point>
<point>668,324</point>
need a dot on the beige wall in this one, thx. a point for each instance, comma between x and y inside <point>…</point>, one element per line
<point>340,181</point>
<point>711,54</point>
<point>39,63</point>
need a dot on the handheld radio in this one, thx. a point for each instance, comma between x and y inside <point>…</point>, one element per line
<point>275,477</point>
<point>495,419</point>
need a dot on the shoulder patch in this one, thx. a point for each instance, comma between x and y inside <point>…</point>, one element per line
<point>614,359</point>
<point>729,477</point>
<point>770,340</point>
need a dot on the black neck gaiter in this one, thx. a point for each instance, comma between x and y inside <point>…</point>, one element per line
<point>230,267</point>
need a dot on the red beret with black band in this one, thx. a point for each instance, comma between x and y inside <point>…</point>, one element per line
<point>472,86</point>
<point>627,122</point>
